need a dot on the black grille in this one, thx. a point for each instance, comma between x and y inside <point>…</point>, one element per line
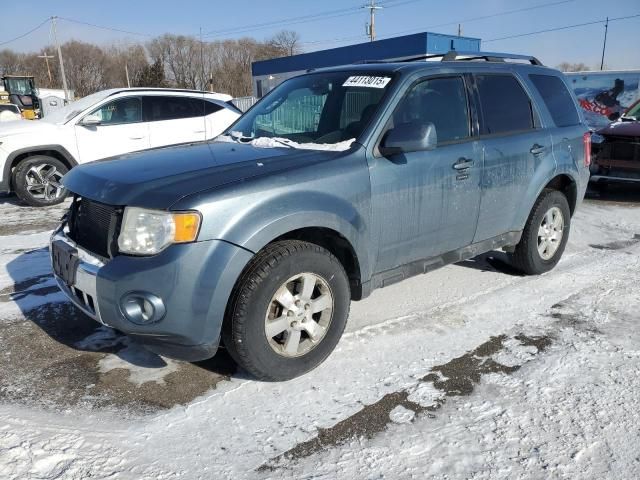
<point>95,226</point>
<point>622,149</point>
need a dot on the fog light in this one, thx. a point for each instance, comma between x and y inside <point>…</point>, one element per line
<point>142,308</point>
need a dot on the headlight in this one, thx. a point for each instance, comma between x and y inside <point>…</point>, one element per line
<point>147,232</point>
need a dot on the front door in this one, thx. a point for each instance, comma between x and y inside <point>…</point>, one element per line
<point>426,203</point>
<point>120,130</point>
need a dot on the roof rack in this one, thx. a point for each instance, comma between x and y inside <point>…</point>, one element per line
<point>456,56</point>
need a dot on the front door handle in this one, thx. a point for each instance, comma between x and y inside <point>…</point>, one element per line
<point>463,163</point>
<point>136,138</point>
<point>537,149</point>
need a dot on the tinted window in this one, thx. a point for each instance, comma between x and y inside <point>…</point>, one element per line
<point>210,107</point>
<point>172,108</point>
<point>441,101</point>
<point>121,111</point>
<point>505,105</point>
<point>557,98</point>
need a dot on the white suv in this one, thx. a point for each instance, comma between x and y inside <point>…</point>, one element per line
<point>35,155</point>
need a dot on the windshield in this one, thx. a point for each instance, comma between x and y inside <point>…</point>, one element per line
<point>19,86</point>
<point>66,113</point>
<point>634,112</point>
<point>313,110</point>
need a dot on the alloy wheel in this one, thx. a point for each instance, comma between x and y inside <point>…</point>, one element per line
<point>299,315</point>
<point>550,233</point>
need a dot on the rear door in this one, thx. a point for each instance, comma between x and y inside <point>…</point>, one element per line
<point>426,202</point>
<point>514,145</point>
<point>174,119</point>
<point>563,120</point>
<point>121,130</point>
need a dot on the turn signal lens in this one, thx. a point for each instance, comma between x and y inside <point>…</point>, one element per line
<point>187,226</point>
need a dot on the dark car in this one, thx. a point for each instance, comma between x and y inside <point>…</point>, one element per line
<point>336,183</point>
<point>616,149</point>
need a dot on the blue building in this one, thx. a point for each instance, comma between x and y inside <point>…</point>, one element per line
<point>267,74</point>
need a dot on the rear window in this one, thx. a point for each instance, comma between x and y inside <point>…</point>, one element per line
<point>505,105</point>
<point>557,98</point>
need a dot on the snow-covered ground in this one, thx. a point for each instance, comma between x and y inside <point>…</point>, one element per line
<point>467,372</point>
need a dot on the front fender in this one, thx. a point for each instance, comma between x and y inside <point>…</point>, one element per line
<point>254,213</point>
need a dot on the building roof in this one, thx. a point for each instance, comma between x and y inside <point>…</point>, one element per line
<point>390,48</point>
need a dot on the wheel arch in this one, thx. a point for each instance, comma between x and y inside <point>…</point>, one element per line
<point>567,186</point>
<point>55,151</point>
<point>338,245</point>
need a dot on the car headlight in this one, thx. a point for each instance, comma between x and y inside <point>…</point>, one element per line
<point>147,232</point>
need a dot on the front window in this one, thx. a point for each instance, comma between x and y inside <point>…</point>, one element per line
<point>120,111</point>
<point>314,110</point>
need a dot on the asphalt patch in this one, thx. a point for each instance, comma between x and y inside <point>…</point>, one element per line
<point>58,358</point>
<point>618,245</point>
<point>456,378</point>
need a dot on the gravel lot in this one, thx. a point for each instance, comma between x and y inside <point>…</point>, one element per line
<point>471,371</point>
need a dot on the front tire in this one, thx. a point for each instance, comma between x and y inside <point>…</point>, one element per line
<point>36,181</point>
<point>287,311</point>
<point>545,235</point>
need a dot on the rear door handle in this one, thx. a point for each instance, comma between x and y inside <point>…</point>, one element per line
<point>136,138</point>
<point>463,163</point>
<point>537,149</point>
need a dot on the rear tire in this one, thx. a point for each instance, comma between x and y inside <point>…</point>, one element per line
<point>287,311</point>
<point>545,234</point>
<point>36,181</point>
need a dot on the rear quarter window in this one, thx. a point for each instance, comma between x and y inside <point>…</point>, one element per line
<point>557,98</point>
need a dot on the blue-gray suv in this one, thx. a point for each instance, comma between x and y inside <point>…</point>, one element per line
<point>337,182</point>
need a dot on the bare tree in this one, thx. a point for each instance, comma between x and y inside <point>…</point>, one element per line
<point>132,58</point>
<point>285,42</point>
<point>573,67</point>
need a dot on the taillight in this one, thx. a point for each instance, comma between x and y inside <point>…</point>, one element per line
<point>586,139</point>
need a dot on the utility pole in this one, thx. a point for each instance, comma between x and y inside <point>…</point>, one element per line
<point>372,7</point>
<point>604,45</point>
<point>126,72</point>
<point>459,29</point>
<point>64,77</point>
<point>46,59</point>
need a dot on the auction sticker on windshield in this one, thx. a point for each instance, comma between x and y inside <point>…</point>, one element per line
<point>366,81</point>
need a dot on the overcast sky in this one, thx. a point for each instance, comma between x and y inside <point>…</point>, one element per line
<point>332,23</point>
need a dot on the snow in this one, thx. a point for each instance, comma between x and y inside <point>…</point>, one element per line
<point>279,142</point>
<point>567,408</point>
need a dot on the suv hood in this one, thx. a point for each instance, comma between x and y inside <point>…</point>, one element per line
<point>20,127</point>
<point>625,128</point>
<point>159,178</point>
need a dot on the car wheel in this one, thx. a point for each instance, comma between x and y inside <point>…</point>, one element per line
<point>288,310</point>
<point>37,183</point>
<point>545,235</point>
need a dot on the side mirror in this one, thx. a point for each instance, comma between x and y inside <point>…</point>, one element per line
<point>409,137</point>
<point>91,120</point>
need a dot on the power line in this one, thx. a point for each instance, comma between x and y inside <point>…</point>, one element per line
<point>286,21</point>
<point>565,27</point>
<point>105,28</point>
<point>302,19</point>
<point>25,34</point>
<point>456,22</point>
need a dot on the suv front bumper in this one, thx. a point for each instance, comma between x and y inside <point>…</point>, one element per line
<point>194,281</point>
